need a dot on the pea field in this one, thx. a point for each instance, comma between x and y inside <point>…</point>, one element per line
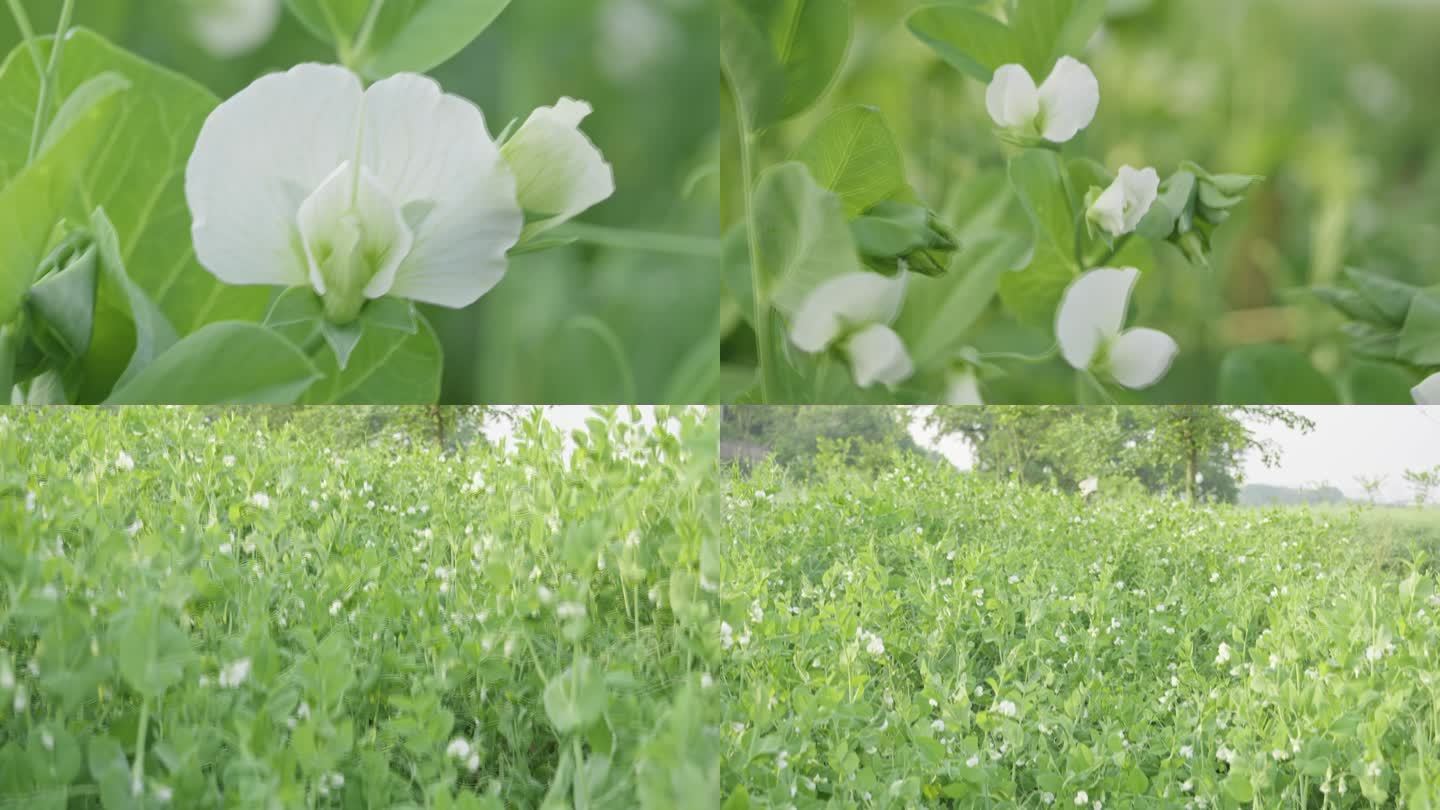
<point>210,609</point>
<point>926,638</point>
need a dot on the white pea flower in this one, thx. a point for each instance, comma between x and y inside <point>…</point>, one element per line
<point>124,462</point>
<point>1222,654</point>
<point>1089,486</point>
<point>230,28</point>
<point>1427,392</point>
<point>234,674</point>
<point>1006,708</point>
<point>963,388</point>
<point>559,172</point>
<point>1060,107</point>
<point>260,500</point>
<point>1119,208</point>
<point>306,178</point>
<point>459,748</point>
<point>854,312</point>
<point>1081,798</point>
<point>1090,326</point>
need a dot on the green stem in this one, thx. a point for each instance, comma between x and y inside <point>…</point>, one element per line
<point>362,39</point>
<point>47,81</point>
<point>1022,358</point>
<point>673,243</point>
<point>761,311</point>
<point>27,31</point>
<point>137,772</point>
<point>10,341</point>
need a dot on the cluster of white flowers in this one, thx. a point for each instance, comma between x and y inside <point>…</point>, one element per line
<point>1006,708</point>
<point>260,500</point>
<point>1222,656</point>
<point>873,643</point>
<point>460,750</point>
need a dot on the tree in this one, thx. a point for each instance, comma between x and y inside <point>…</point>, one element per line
<point>1423,482</point>
<point>1196,450</point>
<point>793,434</point>
<point>1372,486</point>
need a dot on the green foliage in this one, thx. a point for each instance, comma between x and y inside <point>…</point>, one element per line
<point>924,637</point>
<point>335,607</point>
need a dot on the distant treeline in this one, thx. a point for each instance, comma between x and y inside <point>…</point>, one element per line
<point>1186,450</point>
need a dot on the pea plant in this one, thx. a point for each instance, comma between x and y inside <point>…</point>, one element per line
<point>162,245</point>
<point>1393,322</point>
<point>857,289</point>
<point>197,610</point>
<point>923,637</point>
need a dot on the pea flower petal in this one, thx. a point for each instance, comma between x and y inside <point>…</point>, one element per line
<point>854,298</point>
<point>1060,107</point>
<point>307,178</point>
<point>1069,98</point>
<point>963,388</point>
<point>877,354</point>
<point>1090,328</point>
<point>1428,391</point>
<point>854,311</point>
<point>1119,209</point>
<point>1012,98</point>
<point>559,172</point>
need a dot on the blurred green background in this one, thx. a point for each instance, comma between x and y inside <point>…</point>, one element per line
<point>1334,101</point>
<point>592,322</point>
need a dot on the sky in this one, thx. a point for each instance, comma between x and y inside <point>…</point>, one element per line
<point>1347,441</point>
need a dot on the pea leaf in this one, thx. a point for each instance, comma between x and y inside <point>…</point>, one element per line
<point>134,169</point>
<point>151,650</point>
<point>229,363</point>
<point>1273,375</point>
<point>939,311</point>
<point>1038,33</point>
<point>1033,293</point>
<point>853,154</point>
<point>808,39</point>
<point>405,35</point>
<point>802,236</point>
<point>576,697</point>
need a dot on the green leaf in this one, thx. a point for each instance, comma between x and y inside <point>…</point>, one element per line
<point>1039,33</point>
<point>1379,384</point>
<point>1389,296</point>
<point>853,154</point>
<point>111,772</point>
<point>223,363</point>
<point>749,66</point>
<point>577,697</point>
<point>803,238</point>
<point>151,650</point>
<point>970,40</point>
<point>130,330</point>
<point>407,35</point>
<point>1420,336</point>
<point>808,39</point>
<point>135,171</point>
<point>1273,375</point>
<point>939,311</point>
<point>387,366</point>
<point>1033,293</point>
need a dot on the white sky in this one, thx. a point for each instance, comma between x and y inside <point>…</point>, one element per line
<point>567,418</point>
<point>1347,441</point>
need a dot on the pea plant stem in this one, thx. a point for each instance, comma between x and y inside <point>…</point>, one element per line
<point>650,242</point>
<point>27,32</point>
<point>760,310</point>
<point>137,772</point>
<point>47,82</point>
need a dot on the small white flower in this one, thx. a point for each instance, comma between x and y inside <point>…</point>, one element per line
<point>1222,656</point>
<point>1428,391</point>
<point>47,740</point>
<point>854,312</point>
<point>228,461</point>
<point>963,388</point>
<point>939,726</point>
<point>1006,708</point>
<point>1119,208</point>
<point>335,607</point>
<point>973,761</point>
<point>1081,798</point>
<point>163,793</point>
<point>727,635</point>
<point>570,610</point>
<point>124,462</point>
<point>782,760</point>
<point>309,179</point>
<point>261,500</point>
<point>558,172</point>
<point>1061,106</point>
<point>1089,486</point>
<point>1090,326</point>
<point>875,646</point>
<point>234,674</point>
<point>473,763</point>
<point>231,28</point>
<point>459,748</point>
<point>1187,751</point>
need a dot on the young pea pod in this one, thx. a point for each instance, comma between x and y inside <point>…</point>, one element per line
<point>894,236</point>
